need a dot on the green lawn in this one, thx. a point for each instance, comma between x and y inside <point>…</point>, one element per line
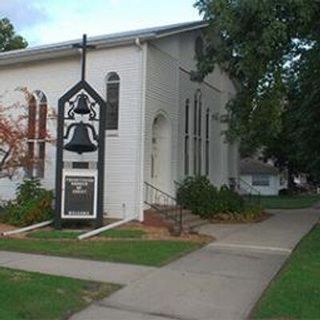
<point>144,252</point>
<point>289,202</point>
<point>114,233</point>
<point>25,295</point>
<point>295,293</point>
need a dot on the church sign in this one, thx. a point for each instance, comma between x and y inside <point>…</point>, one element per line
<point>79,195</point>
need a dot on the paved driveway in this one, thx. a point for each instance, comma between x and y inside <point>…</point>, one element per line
<point>220,281</point>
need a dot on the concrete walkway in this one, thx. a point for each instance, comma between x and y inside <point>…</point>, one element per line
<point>75,268</point>
<point>223,280</point>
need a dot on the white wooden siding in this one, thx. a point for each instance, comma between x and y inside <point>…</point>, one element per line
<point>271,190</point>
<point>178,52</point>
<point>54,77</point>
<point>162,94</point>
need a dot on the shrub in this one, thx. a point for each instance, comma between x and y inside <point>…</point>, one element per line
<point>196,194</point>
<point>229,201</point>
<point>33,204</point>
<point>202,198</point>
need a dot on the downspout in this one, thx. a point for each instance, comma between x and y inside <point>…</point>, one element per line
<point>137,42</point>
<point>140,177</point>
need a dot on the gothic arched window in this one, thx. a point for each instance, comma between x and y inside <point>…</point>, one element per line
<point>186,138</point>
<point>113,93</point>
<point>37,133</point>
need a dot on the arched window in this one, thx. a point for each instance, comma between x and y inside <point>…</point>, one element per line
<point>197,134</point>
<point>195,137</point>
<point>200,133</point>
<point>207,148</point>
<point>186,138</point>
<point>37,133</point>
<point>113,93</point>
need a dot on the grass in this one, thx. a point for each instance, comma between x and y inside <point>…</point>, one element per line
<point>289,202</point>
<point>25,295</point>
<point>294,294</point>
<point>143,252</point>
<point>115,233</point>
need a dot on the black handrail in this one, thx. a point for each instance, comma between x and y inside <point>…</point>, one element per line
<point>165,204</point>
<point>249,186</point>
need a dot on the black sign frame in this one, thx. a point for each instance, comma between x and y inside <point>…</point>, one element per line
<point>79,194</point>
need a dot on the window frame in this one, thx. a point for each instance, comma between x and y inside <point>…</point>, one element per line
<point>112,79</point>
<point>186,138</point>
<point>207,143</point>
<point>37,134</point>
<point>260,180</point>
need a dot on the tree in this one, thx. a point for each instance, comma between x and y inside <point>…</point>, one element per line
<point>267,47</point>
<point>13,147</point>
<point>9,40</point>
<point>13,139</point>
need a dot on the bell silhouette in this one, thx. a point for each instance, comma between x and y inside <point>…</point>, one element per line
<point>82,105</point>
<point>80,141</point>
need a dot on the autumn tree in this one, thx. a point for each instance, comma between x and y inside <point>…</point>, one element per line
<point>271,49</point>
<point>13,153</point>
<point>13,146</point>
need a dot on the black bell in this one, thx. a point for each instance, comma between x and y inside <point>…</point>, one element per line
<point>82,105</point>
<point>80,141</point>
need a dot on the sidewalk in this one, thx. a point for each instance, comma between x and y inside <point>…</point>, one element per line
<point>221,281</point>
<point>119,273</point>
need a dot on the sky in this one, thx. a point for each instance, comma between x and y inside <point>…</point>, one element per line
<point>50,21</point>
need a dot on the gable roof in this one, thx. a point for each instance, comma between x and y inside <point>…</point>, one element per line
<point>109,40</point>
<point>251,166</point>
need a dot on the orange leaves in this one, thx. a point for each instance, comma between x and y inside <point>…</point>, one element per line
<point>19,128</point>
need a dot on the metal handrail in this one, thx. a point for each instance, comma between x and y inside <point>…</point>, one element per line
<point>165,204</point>
<point>164,193</point>
<point>248,185</point>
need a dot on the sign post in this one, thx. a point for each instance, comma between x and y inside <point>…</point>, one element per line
<point>81,129</point>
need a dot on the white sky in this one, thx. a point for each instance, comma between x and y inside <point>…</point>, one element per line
<point>49,21</point>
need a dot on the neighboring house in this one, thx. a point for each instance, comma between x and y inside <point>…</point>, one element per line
<point>261,177</point>
<point>163,124</point>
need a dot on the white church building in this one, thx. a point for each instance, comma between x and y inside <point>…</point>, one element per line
<point>164,124</point>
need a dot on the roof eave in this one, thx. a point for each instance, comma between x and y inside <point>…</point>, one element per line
<point>67,50</point>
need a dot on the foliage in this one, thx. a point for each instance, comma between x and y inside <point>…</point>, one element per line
<point>14,154</point>
<point>26,295</point>
<point>9,40</point>
<point>202,198</point>
<point>144,252</point>
<point>271,49</point>
<point>13,146</point>
<point>294,294</point>
<point>33,204</point>
<point>13,133</point>
<point>197,194</point>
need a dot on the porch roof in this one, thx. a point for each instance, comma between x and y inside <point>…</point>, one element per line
<point>251,166</point>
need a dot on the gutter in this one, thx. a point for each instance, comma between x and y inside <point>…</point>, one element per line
<point>65,49</point>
